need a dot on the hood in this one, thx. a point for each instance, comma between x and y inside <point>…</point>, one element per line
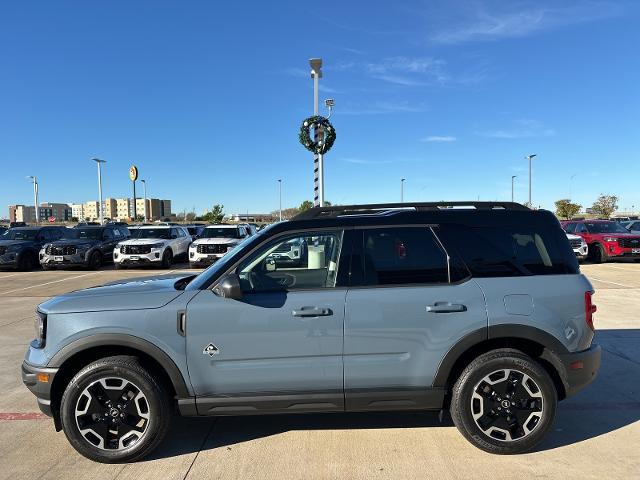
<point>78,242</point>
<point>143,241</point>
<point>216,241</point>
<point>131,294</point>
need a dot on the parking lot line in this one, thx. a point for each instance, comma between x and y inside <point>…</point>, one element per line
<point>612,283</point>
<point>12,275</point>
<point>48,283</point>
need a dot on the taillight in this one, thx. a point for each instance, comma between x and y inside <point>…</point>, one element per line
<point>589,309</point>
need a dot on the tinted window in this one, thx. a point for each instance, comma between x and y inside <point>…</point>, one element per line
<point>505,251</point>
<point>605,227</point>
<point>18,234</point>
<point>570,227</point>
<point>402,255</point>
<point>580,228</point>
<point>162,233</point>
<point>108,234</point>
<point>220,232</point>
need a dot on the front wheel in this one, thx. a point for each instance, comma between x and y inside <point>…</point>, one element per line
<point>504,402</point>
<point>167,258</point>
<point>598,254</point>
<point>95,260</point>
<point>115,411</point>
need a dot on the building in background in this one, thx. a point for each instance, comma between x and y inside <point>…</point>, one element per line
<point>91,211</point>
<point>59,212</point>
<point>124,210</point>
<point>110,208</point>
<point>22,213</point>
<point>77,211</point>
<point>252,217</point>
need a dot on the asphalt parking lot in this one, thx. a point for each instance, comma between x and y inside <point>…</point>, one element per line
<point>596,433</point>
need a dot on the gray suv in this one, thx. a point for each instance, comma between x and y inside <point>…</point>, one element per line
<point>478,308</point>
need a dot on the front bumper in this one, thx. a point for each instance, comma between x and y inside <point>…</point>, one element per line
<point>9,259</point>
<point>582,251</point>
<point>580,368</point>
<point>155,256</point>
<point>199,259</point>
<point>41,389</point>
<point>61,261</point>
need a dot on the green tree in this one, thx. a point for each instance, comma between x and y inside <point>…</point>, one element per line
<point>215,215</point>
<point>306,205</point>
<point>605,205</point>
<point>565,209</point>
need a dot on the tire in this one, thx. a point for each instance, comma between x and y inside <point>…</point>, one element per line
<point>167,258</point>
<point>89,412</point>
<point>598,254</point>
<point>95,260</point>
<point>27,261</point>
<point>118,266</point>
<point>526,413</point>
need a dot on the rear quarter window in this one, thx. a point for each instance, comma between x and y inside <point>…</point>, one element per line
<point>509,251</point>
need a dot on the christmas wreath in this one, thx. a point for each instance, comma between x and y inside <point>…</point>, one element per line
<point>325,140</point>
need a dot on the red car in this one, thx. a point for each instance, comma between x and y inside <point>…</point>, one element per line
<point>606,239</point>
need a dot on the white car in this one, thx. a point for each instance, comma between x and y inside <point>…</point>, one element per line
<point>214,242</point>
<point>152,245</point>
<point>579,246</point>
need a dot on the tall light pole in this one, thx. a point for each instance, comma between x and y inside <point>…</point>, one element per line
<point>571,183</point>
<point>513,177</point>
<point>101,207</point>
<point>530,157</point>
<point>280,196</point>
<point>35,197</point>
<point>144,188</point>
<point>402,180</point>
<point>318,161</point>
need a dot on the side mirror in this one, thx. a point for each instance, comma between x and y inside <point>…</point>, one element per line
<point>270,264</point>
<point>229,287</point>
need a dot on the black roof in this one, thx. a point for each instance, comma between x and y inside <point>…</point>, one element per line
<point>462,213</point>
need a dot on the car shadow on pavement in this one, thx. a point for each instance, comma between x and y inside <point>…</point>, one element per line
<point>611,402</point>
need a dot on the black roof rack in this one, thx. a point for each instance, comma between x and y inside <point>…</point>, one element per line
<point>387,208</point>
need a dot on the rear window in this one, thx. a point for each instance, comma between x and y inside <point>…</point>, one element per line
<point>508,251</point>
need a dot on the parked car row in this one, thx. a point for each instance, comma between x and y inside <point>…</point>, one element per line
<point>605,239</point>
<point>91,246</point>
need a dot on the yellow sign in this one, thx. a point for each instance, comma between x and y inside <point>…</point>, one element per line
<point>133,173</point>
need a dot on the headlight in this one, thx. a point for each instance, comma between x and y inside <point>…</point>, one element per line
<point>157,245</point>
<point>610,239</point>
<point>40,325</point>
<point>193,246</point>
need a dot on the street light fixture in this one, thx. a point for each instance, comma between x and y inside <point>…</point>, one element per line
<point>144,188</point>
<point>513,177</point>
<point>402,180</point>
<point>280,195</point>
<point>101,207</point>
<point>35,197</point>
<point>530,157</point>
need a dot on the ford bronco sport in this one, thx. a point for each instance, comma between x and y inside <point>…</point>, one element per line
<point>479,308</point>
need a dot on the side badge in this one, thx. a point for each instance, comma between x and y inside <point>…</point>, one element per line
<point>210,350</point>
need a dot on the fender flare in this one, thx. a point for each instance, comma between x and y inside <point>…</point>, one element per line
<point>123,340</point>
<point>515,331</point>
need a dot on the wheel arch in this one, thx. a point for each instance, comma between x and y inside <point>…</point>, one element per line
<point>73,357</point>
<point>532,341</point>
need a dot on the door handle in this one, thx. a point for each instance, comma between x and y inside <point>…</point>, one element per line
<point>446,307</point>
<point>312,312</point>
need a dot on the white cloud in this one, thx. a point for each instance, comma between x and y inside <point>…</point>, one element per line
<point>439,139</point>
<point>365,161</point>
<point>481,24</point>
<point>409,71</point>
<point>524,128</point>
<point>381,107</point>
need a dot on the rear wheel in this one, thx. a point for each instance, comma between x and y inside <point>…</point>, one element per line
<point>115,411</point>
<point>504,402</point>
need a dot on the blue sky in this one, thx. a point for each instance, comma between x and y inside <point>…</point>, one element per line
<point>206,98</point>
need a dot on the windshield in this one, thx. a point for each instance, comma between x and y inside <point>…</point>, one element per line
<point>20,234</point>
<point>151,233</point>
<point>204,279</point>
<point>81,233</point>
<point>215,232</point>
<point>606,227</point>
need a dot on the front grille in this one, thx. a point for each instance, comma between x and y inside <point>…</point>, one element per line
<point>575,243</point>
<point>212,248</point>
<point>61,250</point>
<point>135,249</point>
<point>629,242</point>
<point>3,250</point>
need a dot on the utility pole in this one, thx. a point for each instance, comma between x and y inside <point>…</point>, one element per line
<point>280,195</point>
<point>318,161</point>
<point>402,180</point>
<point>530,157</point>
<point>100,206</point>
<point>513,177</point>
<point>35,198</point>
